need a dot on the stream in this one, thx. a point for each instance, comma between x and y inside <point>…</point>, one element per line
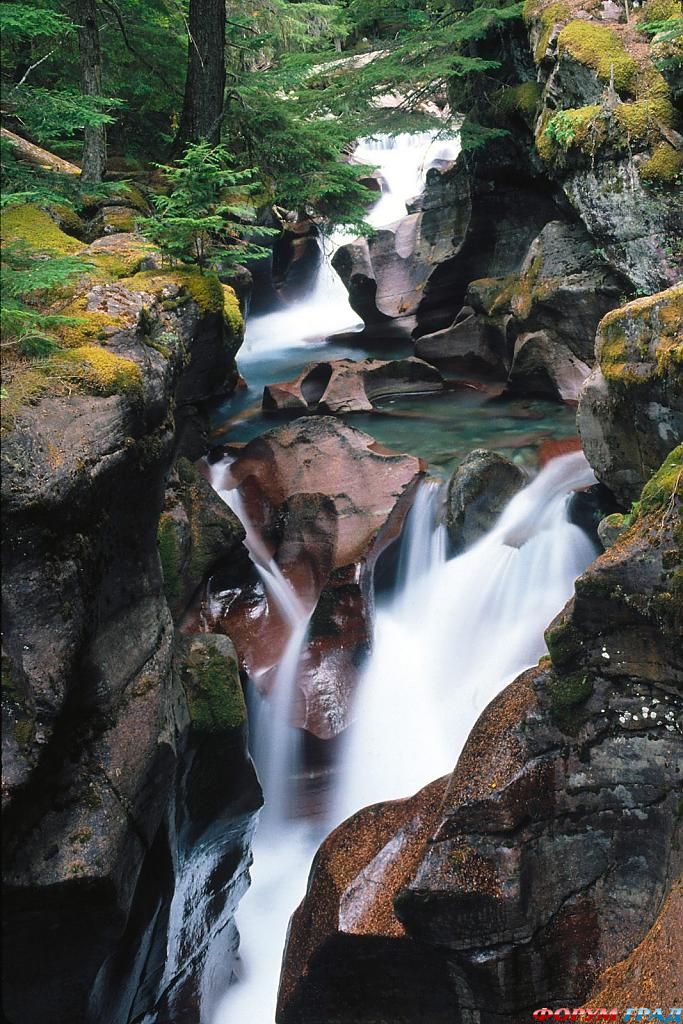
<point>449,634</point>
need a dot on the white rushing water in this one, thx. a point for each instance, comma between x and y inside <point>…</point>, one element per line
<point>454,634</point>
<point>403,161</point>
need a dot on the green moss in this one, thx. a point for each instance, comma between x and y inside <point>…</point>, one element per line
<point>98,370</point>
<point>68,220</point>
<point>214,692</point>
<point>640,120</point>
<point>33,226</point>
<point>518,99</point>
<point>232,311</point>
<point>120,219</point>
<point>664,166</point>
<point>582,128</point>
<point>667,482</point>
<point>564,644</point>
<point>170,555</point>
<point>600,48</point>
<point>134,197</point>
<point>204,289</point>
<point>87,325</point>
<point>570,690</point>
<point>550,16</point>
<point>659,10</point>
<point>642,339</point>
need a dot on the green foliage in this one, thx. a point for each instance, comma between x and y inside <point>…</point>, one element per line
<point>203,216</point>
<point>27,277</point>
<point>561,129</point>
<point>600,48</point>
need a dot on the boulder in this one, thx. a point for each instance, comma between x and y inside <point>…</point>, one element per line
<point>541,367</point>
<point>386,275</point>
<point>347,386</point>
<point>478,491</point>
<point>630,411</point>
<point>325,500</point>
<point>471,345</point>
<point>348,958</point>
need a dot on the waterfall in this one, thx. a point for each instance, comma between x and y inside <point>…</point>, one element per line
<point>455,634</point>
<point>402,161</point>
<point>274,742</point>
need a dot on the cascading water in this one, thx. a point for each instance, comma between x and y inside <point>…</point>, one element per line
<point>456,634</point>
<point>274,742</point>
<point>402,161</point>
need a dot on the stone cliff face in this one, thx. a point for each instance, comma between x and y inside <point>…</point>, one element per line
<point>103,781</point>
<point>547,855</point>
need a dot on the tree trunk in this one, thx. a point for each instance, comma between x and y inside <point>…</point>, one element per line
<point>205,83</point>
<point>95,140</point>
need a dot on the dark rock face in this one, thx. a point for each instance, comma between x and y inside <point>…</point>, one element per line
<point>472,344</point>
<point>539,367</point>
<point>95,720</point>
<point>197,533</point>
<point>631,407</point>
<point>326,499</point>
<point>547,857</point>
<point>478,491</point>
<point>346,386</point>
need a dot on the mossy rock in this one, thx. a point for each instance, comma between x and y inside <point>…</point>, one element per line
<point>100,371</point>
<point>171,554</point>
<point>658,10</point>
<point>204,289</point>
<point>642,340</point>
<point>567,694</point>
<point>522,100</point>
<point>232,312</point>
<point>601,49</point>
<point>663,167</point>
<point>211,680</point>
<point>37,229</point>
<point>666,484</point>
<point>549,17</point>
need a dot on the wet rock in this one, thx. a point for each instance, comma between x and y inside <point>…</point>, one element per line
<point>471,345</point>
<point>387,274</point>
<point>326,499</point>
<point>540,367</point>
<point>478,491</point>
<point>197,533</point>
<point>347,953</point>
<point>630,411</point>
<point>346,386</point>
<point>92,710</point>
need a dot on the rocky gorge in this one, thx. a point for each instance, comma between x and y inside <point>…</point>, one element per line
<point>169,528</point>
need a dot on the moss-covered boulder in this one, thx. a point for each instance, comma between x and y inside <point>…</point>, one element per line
<point>197,533</point>
<point>630,411</point>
